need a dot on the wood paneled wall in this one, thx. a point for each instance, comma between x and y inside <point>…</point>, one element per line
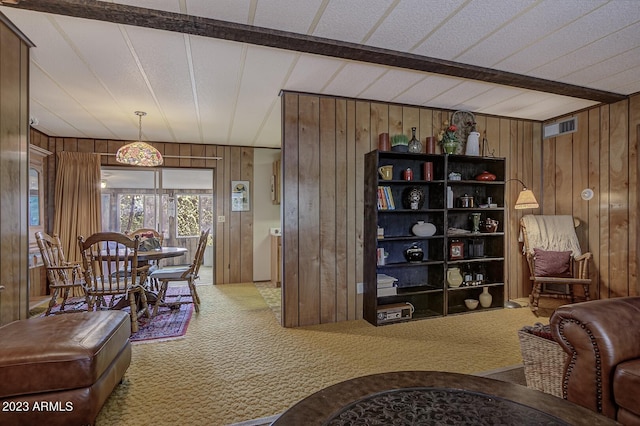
<point>601,155</point>
<point>233,238</point>
<point>14,164</point>
<point>324,142</point>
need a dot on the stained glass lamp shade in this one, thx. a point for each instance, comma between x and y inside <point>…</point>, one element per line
<point>139,153</point>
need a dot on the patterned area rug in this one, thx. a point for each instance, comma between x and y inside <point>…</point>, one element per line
<point>272,296</point>
<point>168,324</point>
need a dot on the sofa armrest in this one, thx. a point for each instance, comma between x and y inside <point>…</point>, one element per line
<point>597,335</point>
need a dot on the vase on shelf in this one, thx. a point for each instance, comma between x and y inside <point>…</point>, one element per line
<point>449,147</point>
<point>454,277</point>
<point>430,143</point>
<point>415,146</point>
<point>485,298</point>
<point>413,198</point>
<point>473,144</point>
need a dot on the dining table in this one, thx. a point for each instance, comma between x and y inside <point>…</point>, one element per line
<point>145,258</point>
<point>160,253</point>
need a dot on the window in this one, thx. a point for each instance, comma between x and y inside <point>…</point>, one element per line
<point>136,211</point>
<point>194,213</point>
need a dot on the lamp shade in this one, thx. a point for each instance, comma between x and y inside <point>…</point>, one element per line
<point>526,200</point>
<point>139,154</point>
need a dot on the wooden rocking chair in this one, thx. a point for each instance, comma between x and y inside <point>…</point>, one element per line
<point>63,276</point>
<point>554,256</point>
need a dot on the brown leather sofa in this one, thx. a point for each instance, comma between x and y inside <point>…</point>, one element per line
<point>60,370</point>
<point>602,338</point>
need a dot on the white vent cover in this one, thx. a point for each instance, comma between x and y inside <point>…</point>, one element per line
<point>560,128</point>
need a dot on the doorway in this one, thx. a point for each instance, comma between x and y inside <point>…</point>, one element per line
<point>178,203</point>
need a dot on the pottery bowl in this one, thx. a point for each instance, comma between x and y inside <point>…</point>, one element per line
<point>471,303</point>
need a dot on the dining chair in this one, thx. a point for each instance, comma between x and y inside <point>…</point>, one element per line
<point>157,238</point>
<point>63,276</point>
<point>110,262</point>
<point>188,273</point>
<point>554,257</point>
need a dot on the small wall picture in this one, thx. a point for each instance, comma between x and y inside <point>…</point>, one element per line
<point>240,196</point>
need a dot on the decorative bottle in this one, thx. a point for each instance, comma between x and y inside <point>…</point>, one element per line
<point>485,298</point>
<point>415,146</point>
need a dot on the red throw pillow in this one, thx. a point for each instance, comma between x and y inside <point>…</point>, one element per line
<point>552,263</point>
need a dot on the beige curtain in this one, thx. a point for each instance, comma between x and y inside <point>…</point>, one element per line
<point>77,199</point>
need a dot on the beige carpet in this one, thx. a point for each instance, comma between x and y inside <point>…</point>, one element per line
<point>237,363</point>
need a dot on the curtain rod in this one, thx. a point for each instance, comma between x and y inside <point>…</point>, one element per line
<point>191,157</point>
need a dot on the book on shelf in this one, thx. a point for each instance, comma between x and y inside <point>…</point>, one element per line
<point>385,198</point>
<point>387,291</point>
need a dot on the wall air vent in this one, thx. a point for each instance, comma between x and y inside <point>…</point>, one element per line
<point>560,128</point>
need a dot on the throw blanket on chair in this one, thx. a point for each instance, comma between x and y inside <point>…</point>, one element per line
<point>551,232</point>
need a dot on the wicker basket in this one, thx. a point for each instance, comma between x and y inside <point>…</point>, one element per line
<point>543,361</point>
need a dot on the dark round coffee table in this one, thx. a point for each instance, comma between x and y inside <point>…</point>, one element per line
<point>434,398</point>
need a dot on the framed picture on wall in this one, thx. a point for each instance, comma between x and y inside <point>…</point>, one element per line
<point>240,196</point>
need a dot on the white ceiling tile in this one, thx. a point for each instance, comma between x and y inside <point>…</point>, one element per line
<point>492,95</point>
<point>166,5</point>
<point>353,79</point>
<point>472,23</point>
<point>271,134</point>
<point>600,22</point>
<point>217,84</point>
<point>285,15</point>
<point>457,95</point>
<point>409,22</point>
<point>85,82</point>
<point>627,81</point>
<point>224,10</point>
<point>312,73</point>
<point>338,21</point>
<point>608,69</point>
<point>425,91</point>
<point>265,71</point>
<point>525,29</point>
<point>391,84</point>
<point>163,58</point>
<point>598,51</point>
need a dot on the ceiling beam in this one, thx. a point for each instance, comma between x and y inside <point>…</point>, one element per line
<point>205,27</point>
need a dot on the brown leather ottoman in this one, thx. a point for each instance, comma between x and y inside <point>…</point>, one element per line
<point>60,370</point>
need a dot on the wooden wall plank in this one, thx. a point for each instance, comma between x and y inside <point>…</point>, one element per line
<point>410,118</point>
<point>221,241</point>
<point>184,152</point>
<point>593,241</point>
<point>342,228</point>
<point>14,134</point>
<point>634,197</point>
<point>245,262</point>
<point>564,175</point>
<point>363,142</point>
<point>605,241</point>
<point>379,122</point>
<point>234,217</point>
<point>395,120</point>
<point>328,192</point>
<point>548,202</point>
<point>309,200</point>
<point>290,211</point>
<point>619,214</point>
<point>351,208</point>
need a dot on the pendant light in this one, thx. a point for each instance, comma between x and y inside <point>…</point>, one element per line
<point>139,153</point>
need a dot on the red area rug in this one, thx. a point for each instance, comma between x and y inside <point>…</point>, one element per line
<point>168,324</point>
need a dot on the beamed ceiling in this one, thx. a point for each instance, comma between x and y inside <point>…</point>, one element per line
<point>210,71</point>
